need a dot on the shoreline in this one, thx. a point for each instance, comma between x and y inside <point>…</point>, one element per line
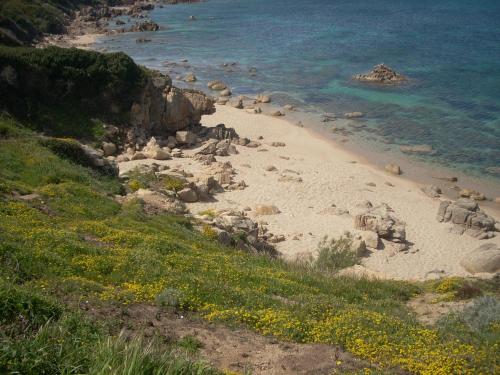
<point>434,251</point>
<point>419,171</point>
<point>319,192</point>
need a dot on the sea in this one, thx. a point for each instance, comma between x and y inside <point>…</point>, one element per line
<point>305,53</point>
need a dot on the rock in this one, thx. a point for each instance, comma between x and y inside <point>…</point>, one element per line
<point>381,74</point>
<point>270,168</point>
<point>109,148</point>
<point>145,26</point>
<point>171,142</point>
<point>289,107</point>
<point>188,195</point>
<point>143,40</point>
<point>263,98</point>
<point>225,92</point>
<point>381,220</point>
<point>208,148</point>
<point>497,200</point>
<point>432,191</point>
<point>185,107</point>
<point>238,104</point>
<point>285,178</point>
<point>393,168</point>
<point>358,247</point>
<point>493,170</point>
<point>276,113</point>
<point>186,137</point>
<point>192,18</point>
<point>253,144</point>
<point>446,178</point>
<point>122,158</point>
<point>205,159</point>
<point>217,85</point>
<point>160,155</point>
<point>156,203</point>
<point>266,210</point>
<point>473,194</point>
<point>486,258</point>
<point>222,101</point>
<point>190,77</point>
<point>138,156</point>
<point>253,110</point>
<point>371,239</point>
<point>416,149</point>
<point>277,144</point>
<point>353,114</point>
<point>220,132</point>
<point>224,238</point>
<point>466,213</point>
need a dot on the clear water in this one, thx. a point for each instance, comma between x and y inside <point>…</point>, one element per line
<point>306,51</point>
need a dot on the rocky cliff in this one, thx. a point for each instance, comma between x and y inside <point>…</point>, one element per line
<point>35,84</point>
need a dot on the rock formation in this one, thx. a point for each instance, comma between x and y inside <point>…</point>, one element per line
<point>381,220</point>
<point>468,218</point>
<point>381,74</point>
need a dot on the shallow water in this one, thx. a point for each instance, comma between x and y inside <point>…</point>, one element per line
<point>305,53</point>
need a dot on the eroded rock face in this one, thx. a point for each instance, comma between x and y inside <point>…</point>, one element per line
<point>381,74</point>
<point>466,214</point>
<point>381,220</point>
<point>155,202</point>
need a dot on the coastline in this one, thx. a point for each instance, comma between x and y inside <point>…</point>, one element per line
<point>329,177</point>
<point>318,191</point>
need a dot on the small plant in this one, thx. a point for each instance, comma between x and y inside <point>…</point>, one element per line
<point>173,183</point>
<point>210,213</point>
<point>170,297</point>
<point>135,185</point>
<point>335,254</point>
<point>190,344</point>
<point>209,232</point>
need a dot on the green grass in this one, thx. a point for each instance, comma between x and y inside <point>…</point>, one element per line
<point>77,241</point>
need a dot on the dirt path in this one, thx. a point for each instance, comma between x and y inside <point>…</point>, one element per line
<point>234,349</point>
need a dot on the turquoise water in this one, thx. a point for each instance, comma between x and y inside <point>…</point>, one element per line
<point>306,52</point>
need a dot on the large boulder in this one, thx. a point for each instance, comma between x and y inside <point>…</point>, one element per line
<point>465,213</point>
<point>381,220</point>
<point>486,258</point>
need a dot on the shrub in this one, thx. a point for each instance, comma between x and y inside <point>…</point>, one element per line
<point>190,344</point>
<point>173,183</point>
<point>335,254</point>
<point>209,232</point>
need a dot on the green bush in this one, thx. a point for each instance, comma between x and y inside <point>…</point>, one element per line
<point>335,254</point>
<point>60,89</point>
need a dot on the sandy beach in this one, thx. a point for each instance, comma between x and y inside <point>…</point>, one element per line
<point>319,188</point>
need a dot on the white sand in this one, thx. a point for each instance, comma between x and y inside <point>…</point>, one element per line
<point>329,177</point>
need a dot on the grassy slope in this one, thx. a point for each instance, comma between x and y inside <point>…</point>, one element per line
<point>77,241</point>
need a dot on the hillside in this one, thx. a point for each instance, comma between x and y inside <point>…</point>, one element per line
<point>73,249</point>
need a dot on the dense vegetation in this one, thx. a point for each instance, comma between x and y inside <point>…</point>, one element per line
<point>48,87</point>
<point>74,241</point>
<point>23,21</point>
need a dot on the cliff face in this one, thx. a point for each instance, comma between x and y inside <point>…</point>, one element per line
<point>161,109</point>
<point>108,87</point>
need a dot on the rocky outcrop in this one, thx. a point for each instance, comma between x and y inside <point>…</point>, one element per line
<point>468,218</point>
<point>381,220</point>
<point>486,258</point>
<point>235,229</point>
<point>381,74</point>
<point>162,109</point>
